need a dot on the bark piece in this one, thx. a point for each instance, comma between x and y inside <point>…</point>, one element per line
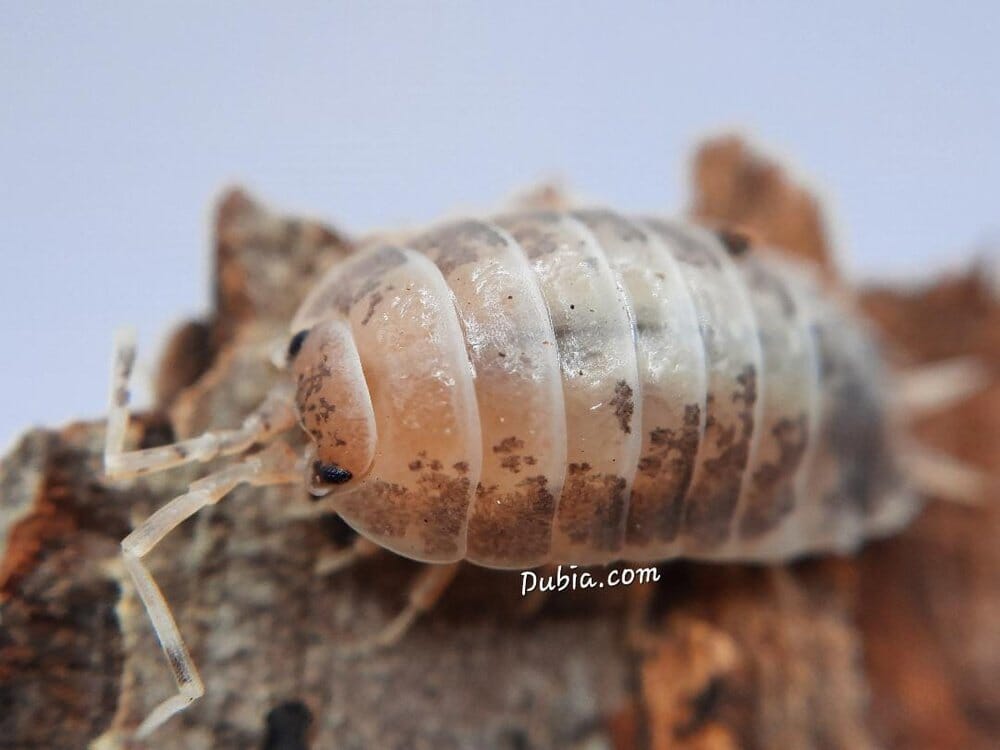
<point>738,188</point>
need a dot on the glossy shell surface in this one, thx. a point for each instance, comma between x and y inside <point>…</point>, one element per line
<point>583,387</point>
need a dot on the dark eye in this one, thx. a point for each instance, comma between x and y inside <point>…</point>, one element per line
<point>296,343</point>
<point>736,242</point>
<point>331,473</point>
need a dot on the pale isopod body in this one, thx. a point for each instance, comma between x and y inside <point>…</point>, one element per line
<point>583,388</point>
<point>557,388</point>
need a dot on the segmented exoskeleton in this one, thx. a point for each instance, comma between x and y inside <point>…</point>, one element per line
<point>585,388</point>
<point>573,388</point>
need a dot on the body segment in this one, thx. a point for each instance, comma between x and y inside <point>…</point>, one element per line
<point>510,344</point>
<point>671,364</point>
<point>788,414</point>
<point>733,368</point>
<point>594,339</point>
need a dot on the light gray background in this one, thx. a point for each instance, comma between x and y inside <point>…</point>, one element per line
<point>118,126</point>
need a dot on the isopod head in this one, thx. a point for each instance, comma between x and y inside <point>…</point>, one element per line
<point>333,403</point>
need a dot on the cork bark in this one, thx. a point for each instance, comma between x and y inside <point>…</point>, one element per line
<point>897,646</point>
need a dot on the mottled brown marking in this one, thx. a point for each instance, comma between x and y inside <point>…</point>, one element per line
<point>625,230</point>
<point>511,463</point>
<point>771,494</point>
<point>508,445</point>
<point>361,278</point>
<point>663,479</point>
<point>535,241</point>
<point>373,300</point>
<point>624,405</point>
<point>444,517</point>
<point>713,498</point>
<point>759,278</point>
<point>436,506</point>
<point>512,528</point>
<point>380,507</point>
<point>687,249</point>
<point>455,245</point>
<point>315,410</point>
<point>592,507</point>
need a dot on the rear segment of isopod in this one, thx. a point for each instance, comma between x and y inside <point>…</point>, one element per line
<point>734,368</point>
<point>594,337</point>
<point>671,364</point>
<point>853,474</point>
<point>511,347</point>
<point>415,498</point>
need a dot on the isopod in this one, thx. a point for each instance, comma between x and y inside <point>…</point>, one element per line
<point>557,388</point>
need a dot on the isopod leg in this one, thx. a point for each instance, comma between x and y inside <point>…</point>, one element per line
<point>946,477</point>
<point>334,561</point>
<point>425,592</point>
<point>275,414</point>
<point>639,635</point>
<point>276,465</point>
<point>533,602</point>
<point>934,387</point>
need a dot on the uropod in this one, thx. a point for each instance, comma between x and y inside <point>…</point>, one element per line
<point>571,388</point>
